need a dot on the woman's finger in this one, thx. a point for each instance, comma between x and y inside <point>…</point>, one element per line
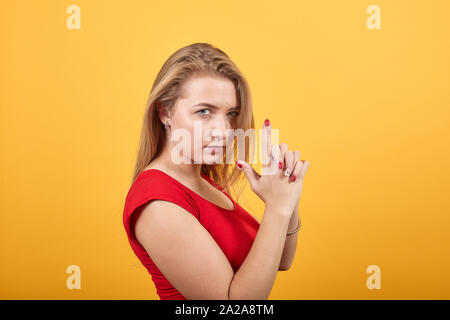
<point>296,156</point>
<point>297,171</point>
<point>283,149</point>
<point>266,144</point>
<point>305,168</point>
<point>252,176</point>
<point>288,163</point>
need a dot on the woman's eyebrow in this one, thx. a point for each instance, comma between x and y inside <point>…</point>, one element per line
<point>213,106</point>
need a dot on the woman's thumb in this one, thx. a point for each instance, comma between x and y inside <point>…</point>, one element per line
<point>250,173</point>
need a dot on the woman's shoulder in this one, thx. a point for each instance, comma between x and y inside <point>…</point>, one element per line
<point>156,181</point>
<point>155,184</point>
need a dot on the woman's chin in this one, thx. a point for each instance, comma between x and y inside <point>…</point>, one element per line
<point>211,158</point>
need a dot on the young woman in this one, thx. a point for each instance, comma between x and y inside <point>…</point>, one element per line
<point>180,218</point>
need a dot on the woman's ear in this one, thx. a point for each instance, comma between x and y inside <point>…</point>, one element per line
<point>162,113</point>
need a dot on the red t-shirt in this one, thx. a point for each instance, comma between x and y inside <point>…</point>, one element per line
<point>233,230</point>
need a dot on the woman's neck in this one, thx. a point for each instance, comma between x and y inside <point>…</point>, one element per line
<point>188,171</point>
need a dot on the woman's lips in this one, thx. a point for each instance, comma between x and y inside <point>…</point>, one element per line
<point>215,148</point>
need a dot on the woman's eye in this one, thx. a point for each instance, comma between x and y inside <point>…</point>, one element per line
<point>234,114</point>
<point>202,113</point>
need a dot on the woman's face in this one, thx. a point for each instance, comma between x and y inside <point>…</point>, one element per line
<point>205,110</point>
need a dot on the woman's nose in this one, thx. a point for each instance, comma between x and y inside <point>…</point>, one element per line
<point>220,126</point>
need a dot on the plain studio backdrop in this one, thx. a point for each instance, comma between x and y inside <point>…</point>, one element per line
<point>368,107</point>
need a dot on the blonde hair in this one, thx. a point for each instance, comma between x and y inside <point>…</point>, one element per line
<point>196,58</point>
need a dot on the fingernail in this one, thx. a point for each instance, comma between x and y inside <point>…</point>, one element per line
<point>280,165</point>
<point>267,122</point>
<point>293,178</point>
<point>239,165</point>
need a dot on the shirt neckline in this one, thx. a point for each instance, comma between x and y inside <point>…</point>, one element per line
<point>198,195</point>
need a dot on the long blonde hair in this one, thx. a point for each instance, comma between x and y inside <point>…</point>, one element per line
<point>196,58</point>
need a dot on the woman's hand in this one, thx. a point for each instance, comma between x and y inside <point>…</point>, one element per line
<point>281,183</point>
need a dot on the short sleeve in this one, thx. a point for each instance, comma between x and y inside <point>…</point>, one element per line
<point>154,186</point>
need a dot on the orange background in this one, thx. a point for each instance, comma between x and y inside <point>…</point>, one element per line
<point>368,108</point>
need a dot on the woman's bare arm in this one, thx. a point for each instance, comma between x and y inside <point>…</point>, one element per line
<point>290,244</point>
<point>195,265</point>
<point>254,279</point>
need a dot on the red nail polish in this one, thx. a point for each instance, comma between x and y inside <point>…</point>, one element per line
<point>267,122</point>
<point>293,178</point>
<point>280,165</point>
<point>239,165</point>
